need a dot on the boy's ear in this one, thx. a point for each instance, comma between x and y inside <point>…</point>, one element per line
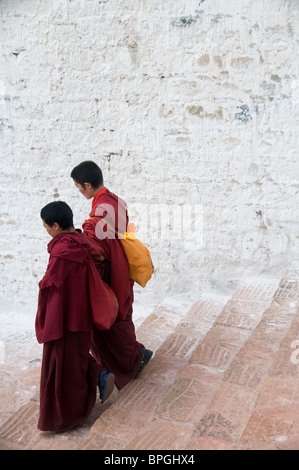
<point>87,185</point>
<point>56,226</point>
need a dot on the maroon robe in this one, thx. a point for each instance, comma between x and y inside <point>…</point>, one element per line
<point>117,348</point>
<point>69,292</point>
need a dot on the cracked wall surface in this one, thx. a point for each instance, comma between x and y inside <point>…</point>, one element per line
<point>189,107</point>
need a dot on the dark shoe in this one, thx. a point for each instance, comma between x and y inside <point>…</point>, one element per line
<point>106,385</point>
<point>146,354</point>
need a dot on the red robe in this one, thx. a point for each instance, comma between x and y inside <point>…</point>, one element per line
<point>69,291</point>
<point>117,348</point>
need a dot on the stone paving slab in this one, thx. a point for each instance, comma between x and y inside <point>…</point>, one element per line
<point>219,347</point>
<point>187,398</point>
<point>162,321</point>
<point>159,434</point>
<point>241,314</point>
<point>263,429</point>
<point>21,427</point>
<point>256,289</point>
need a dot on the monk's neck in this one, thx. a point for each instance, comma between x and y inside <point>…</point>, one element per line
<point>97,190</point>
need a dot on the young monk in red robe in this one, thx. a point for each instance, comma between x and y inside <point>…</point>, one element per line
<point>117,348</point>
<point>70,292</point>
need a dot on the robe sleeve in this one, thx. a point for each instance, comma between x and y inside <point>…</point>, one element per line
<point>63,301</point>
<point>49,317</point>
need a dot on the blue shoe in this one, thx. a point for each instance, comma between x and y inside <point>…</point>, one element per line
<point>106,385</point>
<point>146,354</point>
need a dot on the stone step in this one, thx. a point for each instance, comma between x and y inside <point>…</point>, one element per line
<point>274,421</point>
<point>252,408</point>
<point>221,378</point>
<point>19,427</point>
<point>191,407</point>
<point>136,404</point>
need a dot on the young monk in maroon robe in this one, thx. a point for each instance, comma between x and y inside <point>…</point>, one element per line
<point>70,292</point>
<point>117,348</point>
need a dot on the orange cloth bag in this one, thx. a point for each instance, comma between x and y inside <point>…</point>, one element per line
<point>140,263</point>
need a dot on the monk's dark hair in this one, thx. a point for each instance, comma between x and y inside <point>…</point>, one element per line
<point>88,172</point>
<point>59,212</point>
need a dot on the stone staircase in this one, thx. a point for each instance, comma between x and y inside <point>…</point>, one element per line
<point>225,376</point>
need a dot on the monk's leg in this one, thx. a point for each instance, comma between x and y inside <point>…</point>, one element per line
<point>118,350</point>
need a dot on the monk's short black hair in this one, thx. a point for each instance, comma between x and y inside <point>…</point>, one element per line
<point>59,212</point>
<point>88,172</point>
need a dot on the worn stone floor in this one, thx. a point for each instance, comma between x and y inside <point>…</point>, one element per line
<point>225,376</point>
